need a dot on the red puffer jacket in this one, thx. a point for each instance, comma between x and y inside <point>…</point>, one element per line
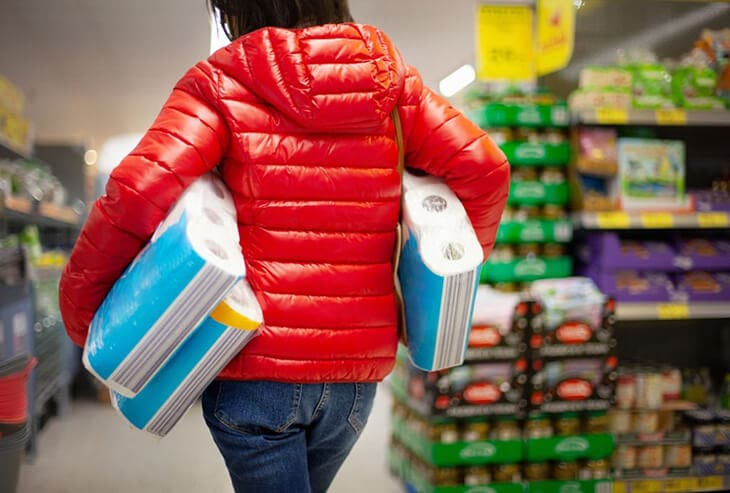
<point>298,122</point>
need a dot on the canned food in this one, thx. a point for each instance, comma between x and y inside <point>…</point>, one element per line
<point>554,136</point>
<point>650,457</point>
<point>538,427</point>
<point>528,212</point>
<point>625,457</point>
<point>554,212</point>
<point>597,422</point>
<point>446,476</point>
<point>443,432</point>
<point>524,174</point>
<point>621,422</point>
<point>475,431</point>
<point>649,390</point>
<point>477,475</point>
<point>646,422</point>
<point>528,249</point>
<point>553,250</point>
<point>552,175</point>
<point>527,135</point>
<point>507,473</point>
<point>678,455</point>
<point>598,469</point>
<point>500,135</point>
<point>626,392</point>
<point>506,429</point>
<point>566,471</point>
<point>537,471</point>
<point>671,384</point>
<point>567,424</point>
<point>704,436</point>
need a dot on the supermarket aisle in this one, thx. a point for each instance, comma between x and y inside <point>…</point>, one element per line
<point>92,449</point>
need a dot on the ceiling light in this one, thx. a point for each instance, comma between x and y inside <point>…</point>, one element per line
<point>457,80</point>
<point>90,157</point>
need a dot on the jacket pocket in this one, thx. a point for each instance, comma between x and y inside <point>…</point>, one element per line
<point>257,407</point>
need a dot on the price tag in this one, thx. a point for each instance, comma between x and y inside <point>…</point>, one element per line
<point>612,116</point>
<point>671,117</point>
<point>613,220</point>
<point>672,311</point>
<point>681,485</point>
<point>657,220</point>
<point>646,486</point>
<point>619,487</point>
<point>713,220</point>
<point>709,483</point>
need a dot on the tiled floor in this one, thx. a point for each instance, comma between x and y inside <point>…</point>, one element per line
<point>92,450</point>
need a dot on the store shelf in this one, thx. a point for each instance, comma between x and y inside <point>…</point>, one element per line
<point>7,152</point>
<point>672,311</point>
<point>652,220</point>
<point>672,485</point>
<point>671,117</point>
<point>42,214</point>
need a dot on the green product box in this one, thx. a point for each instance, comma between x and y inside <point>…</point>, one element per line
<point>527,269</point>
<point>521,115</point>
<point>538,193</point>
<point>458,453</point>
<point>569,448</point>
<point>536,153</point>
<point>535,231</point>
<point>581,486</point>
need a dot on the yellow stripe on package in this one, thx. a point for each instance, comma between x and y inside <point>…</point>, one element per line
<point>179,383</point>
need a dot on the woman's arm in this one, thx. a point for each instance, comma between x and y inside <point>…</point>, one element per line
<point>187,139</point>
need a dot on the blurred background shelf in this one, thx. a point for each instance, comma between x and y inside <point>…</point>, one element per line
<point>652,220</point>
<point>673,117</point>
<point>672,311</point>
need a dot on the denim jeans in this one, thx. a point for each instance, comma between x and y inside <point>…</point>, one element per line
<point>282,437</point>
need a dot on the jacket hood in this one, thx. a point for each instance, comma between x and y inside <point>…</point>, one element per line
<point>336,77</point>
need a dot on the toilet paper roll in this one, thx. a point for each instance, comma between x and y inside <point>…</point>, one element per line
<point>179,383</point>
<point>173,284</point>
<point>438,273</point>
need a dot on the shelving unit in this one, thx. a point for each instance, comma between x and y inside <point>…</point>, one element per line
<point>25,211</point>
<point>672,485</point>
<point>672,311</point>
<point>651,220</point>
<point>669,117</point>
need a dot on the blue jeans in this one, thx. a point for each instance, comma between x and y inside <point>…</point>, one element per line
<point>281,437</point>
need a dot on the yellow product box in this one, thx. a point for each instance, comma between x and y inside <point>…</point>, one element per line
<point>11,96</point>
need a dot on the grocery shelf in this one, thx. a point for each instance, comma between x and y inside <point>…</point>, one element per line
<point>671,117</point>
<point>43,214</point>
<point>672,311</point>
<point>652,220</point>
<point>672,485</point>
<point>8,152</point>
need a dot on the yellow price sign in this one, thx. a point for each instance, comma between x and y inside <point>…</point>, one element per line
<point>613,220</point>
<point>672,311</point>
<point>505,42</point>
<point>671,117</point>
<point>555,34</point>
<point>612,116</point>
<point>713,219</point>
<point>681,485</point>
<point>710,483</point>
<point>646,486</point>
<point>619,487</point>
<point>657,220</point>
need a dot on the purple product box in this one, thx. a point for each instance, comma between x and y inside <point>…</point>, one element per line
<point>703,254</point>
<point>704,286</point>
<point>608,252</point>
<point>710,201</point>
<point>635,287</point>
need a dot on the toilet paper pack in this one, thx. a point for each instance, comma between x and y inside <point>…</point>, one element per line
<point>200,358</point>
<point>438,272</point>
<point>192,261</point>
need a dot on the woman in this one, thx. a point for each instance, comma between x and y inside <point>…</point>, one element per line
<point>296,115</point>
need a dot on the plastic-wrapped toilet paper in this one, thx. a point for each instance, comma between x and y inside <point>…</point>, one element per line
<point>178,384</point>
<point>193,260</point>
<point>439,273</point>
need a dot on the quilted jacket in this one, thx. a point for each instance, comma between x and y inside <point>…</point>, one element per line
<point>298,123</point>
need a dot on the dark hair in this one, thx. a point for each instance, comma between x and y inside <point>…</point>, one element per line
<point>239,17</point>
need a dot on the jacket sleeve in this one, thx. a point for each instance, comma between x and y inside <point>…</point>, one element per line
<point>186,140</point>
<point>442,142</point>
